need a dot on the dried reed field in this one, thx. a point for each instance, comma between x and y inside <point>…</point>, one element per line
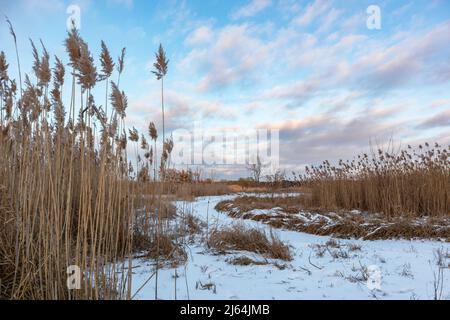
<point>405,182</point>
<point>94,207</point>
<point>67,191</point>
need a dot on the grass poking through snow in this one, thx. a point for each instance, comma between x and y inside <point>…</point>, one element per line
<point>238,237</point>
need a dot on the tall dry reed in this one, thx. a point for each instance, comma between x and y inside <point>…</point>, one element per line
<point>413,181</point>
<point>67,192</point>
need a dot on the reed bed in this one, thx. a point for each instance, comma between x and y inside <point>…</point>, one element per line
<point>296,214</point>
<point>407,182</point>
<point>67,190</point>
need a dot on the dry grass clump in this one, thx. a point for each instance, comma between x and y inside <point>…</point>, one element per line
<point>166,249</point>
<point>193,225</point>
<point>239,237</point>
<point>168,209</point>
<point>239,205</point>
<point>409,182</point>
<point>245,261</point>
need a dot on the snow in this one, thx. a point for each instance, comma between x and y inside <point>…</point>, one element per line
<point>406,268</point>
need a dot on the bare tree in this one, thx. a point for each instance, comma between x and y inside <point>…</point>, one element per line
<point>255,169</point>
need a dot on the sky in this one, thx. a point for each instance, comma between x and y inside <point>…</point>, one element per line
<point>313,70</point>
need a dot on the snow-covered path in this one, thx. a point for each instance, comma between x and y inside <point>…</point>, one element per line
<point>397,269</point>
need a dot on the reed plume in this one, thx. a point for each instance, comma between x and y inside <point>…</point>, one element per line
<point>13,34</point>
<point>121,64</point>
<point>153,133</point>
<point>118,100</point>
<point>107,64</point>
<point>161,66</point>
<point>59,72</point>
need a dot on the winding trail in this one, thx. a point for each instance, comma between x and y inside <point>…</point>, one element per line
<point>397,269</point>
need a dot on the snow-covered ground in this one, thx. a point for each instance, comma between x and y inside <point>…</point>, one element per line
<point>385,269</point>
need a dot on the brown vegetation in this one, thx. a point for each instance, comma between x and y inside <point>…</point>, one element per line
<point>291,213</point>
<point>245,261</point>
<point>169,250</point>
<point>239,237</point>
<point>409,182</point>
<point>68,195</point>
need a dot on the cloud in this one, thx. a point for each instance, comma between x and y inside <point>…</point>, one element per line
<point>329,20</point>
<point>251,9</point>
<point>440,103</point>
<point>439,120</point>
<point>232,57</point>
<point>300,90</point>
<point>136,33</point>
<point>357,62</point>
<point>412,59</point>
<point>199,36</point>
<point>126,3</point>
<point>241,54</point>
<point>49,6</point>
<point>326,136</point>
<point>181,110</point>
<point>312,11</point>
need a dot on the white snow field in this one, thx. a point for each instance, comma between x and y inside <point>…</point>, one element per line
<point>383,269</point>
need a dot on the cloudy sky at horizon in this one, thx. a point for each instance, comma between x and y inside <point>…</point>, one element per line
<point>311,69</point>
